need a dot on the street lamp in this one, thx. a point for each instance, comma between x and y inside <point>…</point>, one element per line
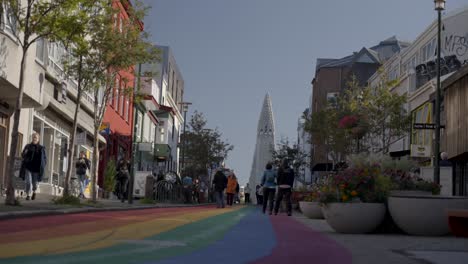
<point>439,6</point>
<point>185,106</point>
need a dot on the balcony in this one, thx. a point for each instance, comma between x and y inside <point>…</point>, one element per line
<point>162,151</point>
<point>149,90</point>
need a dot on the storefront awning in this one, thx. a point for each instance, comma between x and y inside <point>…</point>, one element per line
<point>323,167</point>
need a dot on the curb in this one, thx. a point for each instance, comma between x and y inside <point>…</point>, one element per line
<point>34,213</point>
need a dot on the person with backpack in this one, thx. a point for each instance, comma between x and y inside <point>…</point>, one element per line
<point>82,165</point>
<point>285,183</point>
<point>269,187</point>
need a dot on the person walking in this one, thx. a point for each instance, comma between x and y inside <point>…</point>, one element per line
<point>220,183</point>
<point>269,187</point>
<point>285,182</point>
<point>82,165</point>
<point>123,174</point>
<point>231,188</point>
<point>247,194</point>
<point>188,189</point>
<point>259,194</point>
<point>33,165</point>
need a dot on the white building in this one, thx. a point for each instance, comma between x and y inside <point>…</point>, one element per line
<point>415,67</point>
<point>48,105</point>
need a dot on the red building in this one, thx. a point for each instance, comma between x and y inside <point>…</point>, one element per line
<point>118,117</point>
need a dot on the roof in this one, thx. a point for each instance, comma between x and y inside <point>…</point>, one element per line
<point>379,53</point>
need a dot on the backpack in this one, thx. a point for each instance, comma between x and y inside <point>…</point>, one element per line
<point>270,178</point>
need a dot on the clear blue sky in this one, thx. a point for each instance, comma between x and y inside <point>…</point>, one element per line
<point>232,52</point>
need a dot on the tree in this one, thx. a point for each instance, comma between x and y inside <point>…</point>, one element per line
<point>114,47</point>
<point>388,118</point>
<point>291,152</point>
<point>203,146</point>
<point>78,47</point>
<point>35,20</point>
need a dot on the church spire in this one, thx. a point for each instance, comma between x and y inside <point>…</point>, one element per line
<point>266,124</point>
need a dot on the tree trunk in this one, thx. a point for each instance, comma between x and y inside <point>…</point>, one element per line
<point>95,163</point>
<point>10,198</point>
<point>71,149</point>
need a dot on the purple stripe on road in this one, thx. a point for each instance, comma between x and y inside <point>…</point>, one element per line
<point>298,243</point>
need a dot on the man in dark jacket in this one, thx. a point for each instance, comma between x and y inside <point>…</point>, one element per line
<point>220,183</point>
<point>33,165</point>
<point>123,173</point>
<point>285,182</point>
<point>82,165</point>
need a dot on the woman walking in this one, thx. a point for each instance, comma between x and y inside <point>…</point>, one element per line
<point>269,187</point>
<point>82,164</point>
<point>231,188</point>
<point>33,165</point>
<point>285,183</point>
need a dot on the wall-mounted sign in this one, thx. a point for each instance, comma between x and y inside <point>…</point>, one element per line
<point>422,151</point>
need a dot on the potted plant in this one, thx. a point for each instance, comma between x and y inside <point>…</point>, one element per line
<point>310,206</point>
<point>353,201</point>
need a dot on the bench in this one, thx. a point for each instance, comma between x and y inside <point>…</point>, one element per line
<point>458,222</point>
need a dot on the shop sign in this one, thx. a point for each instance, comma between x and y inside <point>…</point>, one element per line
<point>422,151</point>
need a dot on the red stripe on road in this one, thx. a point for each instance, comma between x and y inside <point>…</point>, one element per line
<point>298,243</point>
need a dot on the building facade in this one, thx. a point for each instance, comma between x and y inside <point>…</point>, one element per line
<point>332,77</point>
<point>48,105</point>
<point>170,83</point>
<point>415,70</point>
<point>117,124</point>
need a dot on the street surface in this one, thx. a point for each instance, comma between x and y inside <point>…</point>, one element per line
<point>204,234</point>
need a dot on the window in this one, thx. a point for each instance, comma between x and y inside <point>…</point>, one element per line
<point>57,54</point>
<point>139,125</point>
<point>7,19</point>
<point>116,95</point>
<point>393,75</point>
<point>428,51</point>
<point>121,100</point>
<point>410,64</point>
<point>127,108</point>
<point>40,50</point>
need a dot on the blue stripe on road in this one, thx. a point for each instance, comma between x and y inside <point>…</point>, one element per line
<point>252,238</point>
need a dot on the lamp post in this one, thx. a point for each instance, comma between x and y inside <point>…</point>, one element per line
<point>185,106</point>
<point>439,6</point>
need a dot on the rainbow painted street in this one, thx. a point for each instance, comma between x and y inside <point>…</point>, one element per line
<point>166,235</point>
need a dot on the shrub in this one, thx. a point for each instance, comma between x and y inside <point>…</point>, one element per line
<point>109,175</point>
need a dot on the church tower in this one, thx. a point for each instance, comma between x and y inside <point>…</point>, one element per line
<point>264,145</point>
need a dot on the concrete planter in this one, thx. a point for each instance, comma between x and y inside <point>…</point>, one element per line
<point>424,215</point>
<point>311,210</point>
<point>354,218</point>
